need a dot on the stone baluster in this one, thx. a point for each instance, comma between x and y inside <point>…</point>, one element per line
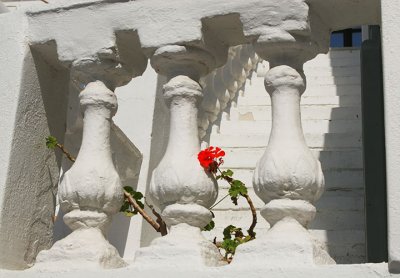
<point>180,187</point>
<point>90,192</point>
<point>288,178</point>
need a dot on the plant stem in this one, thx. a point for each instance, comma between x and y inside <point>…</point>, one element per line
<point>146,217</point>
<point>158,225</point>
<point>249,201</point>
<point>219,201</point>
<point>67,154</point>
<point>160,221</point>
<point>251,232</point>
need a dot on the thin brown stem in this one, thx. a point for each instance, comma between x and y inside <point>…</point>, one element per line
<point>45,1</point>
<point>144,214</point>
<point>159,225</point>
<point>67,154</point>
<point>251,232</point>
<point>223,198</point>
<point>159,220</point>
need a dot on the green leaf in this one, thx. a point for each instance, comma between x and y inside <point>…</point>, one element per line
<point>125,206</point>
<point>228,173</point>
<point>228,231</point>
<point>209,226</point>
<point>51,142</point>
<point>230,245</point>
<point>137,195</point>
<point>129,190</point>
<point>129,213</point>
<point>237,188</point>
<point>140,204</point>
<point>234,200</point>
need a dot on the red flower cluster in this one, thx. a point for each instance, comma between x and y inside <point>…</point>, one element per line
<point>211,158</point>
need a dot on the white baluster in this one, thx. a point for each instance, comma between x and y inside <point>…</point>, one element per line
<point>180,186</point>
<point>288,178</point>
<point>90,192</point>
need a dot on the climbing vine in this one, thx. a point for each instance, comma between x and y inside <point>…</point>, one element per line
<point>210,159</point>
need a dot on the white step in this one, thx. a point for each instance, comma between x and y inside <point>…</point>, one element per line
<point>345,246</point>
<point>337,181</point>
<point>333,220</point>
<point>313,112</point>
<point>265,100</point>
<point>248,157</point>
<point>342,52</point>
<point>333,80</point>
<point>312,90</point>
<point>317,70</point>
<point>309,126</point>
<point>330,201</point>
<point>325,140</point>
<point>337,62</point>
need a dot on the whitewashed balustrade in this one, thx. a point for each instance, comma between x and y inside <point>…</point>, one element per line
<point>90,192</point>
<point>180,187</point>
<point>184,43</point>
<point>288,178</point>
<point>223,85</point>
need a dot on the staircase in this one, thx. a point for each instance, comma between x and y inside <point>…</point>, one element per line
<point>331,118</point>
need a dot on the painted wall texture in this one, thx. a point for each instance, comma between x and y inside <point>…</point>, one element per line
<point>192,68</point>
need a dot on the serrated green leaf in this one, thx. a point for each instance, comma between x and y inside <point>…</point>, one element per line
<point>125,206</point>
<point>129,190</point>
<point>209,226</point>
<point>228,231</point>
<point>230,245</point>
<point>246,238</point>
<point>228,173</point>
<point>237,188</point>
<point>137,195</point>
<point>140,204</point>
<point>51,142</point>
<point>234,200</point>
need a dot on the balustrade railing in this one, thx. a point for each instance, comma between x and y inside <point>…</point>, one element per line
<point>287,177</point>
<point>223,85</point>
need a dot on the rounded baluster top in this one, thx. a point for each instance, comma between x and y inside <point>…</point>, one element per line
<point>182,86</point>
<point>97,94</point>
<point>284,76</point>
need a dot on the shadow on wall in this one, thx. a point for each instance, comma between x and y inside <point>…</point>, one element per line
<point>159,142</point>
<point>27,224</point>
<point>340,211</point>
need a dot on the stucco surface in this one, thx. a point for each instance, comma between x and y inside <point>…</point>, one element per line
<point>29,172</point>
<point>92,31</point>
<point>342,271</point>
<point>391,61</point>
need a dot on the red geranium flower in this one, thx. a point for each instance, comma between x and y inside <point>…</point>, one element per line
<point>211,158</point>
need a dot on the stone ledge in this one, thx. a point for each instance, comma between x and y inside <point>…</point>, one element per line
<point>333,271</point>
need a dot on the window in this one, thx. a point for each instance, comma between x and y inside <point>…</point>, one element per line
<point>347,38</point>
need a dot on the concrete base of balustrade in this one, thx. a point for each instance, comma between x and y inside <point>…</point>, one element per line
<point>287,243</point>
<point>184,246</point>
<point>231,271</point>
<point>82,249</point>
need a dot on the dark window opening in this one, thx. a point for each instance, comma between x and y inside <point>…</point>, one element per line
<point>347,38</point>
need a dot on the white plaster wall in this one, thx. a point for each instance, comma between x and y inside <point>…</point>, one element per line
<point>391,79</point>
<point>32,108</point>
